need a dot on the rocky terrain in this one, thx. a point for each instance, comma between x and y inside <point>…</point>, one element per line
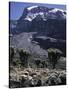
<point>30,77</point>
<point>31,64</point>
<point>31,69</point>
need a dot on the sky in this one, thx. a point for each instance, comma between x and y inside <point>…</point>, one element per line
<point>16,8</point>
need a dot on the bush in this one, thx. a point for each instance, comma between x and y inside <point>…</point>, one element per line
<point>37,62</point>
<point>17,62</point>
<point>54,55</point>
<point>24,57</point>
<point>11,54</point>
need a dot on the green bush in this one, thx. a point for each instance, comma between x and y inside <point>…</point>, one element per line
<point>54,54</point>
<point>24,55</point>
<point>11,54</point>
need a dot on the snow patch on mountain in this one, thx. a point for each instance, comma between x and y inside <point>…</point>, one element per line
<point>55,10</point>
<point>30,16</point>
<point>29,8</point>
<point>54,13</point>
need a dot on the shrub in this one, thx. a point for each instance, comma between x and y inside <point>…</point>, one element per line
<point>54,54</point>
<point>11,54</point>
<point>37,62</point>
<point>24,57</point>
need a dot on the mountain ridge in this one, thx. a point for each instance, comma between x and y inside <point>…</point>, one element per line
<point>40,26</point>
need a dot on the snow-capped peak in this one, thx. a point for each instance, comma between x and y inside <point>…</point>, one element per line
<point>55,10</point>
<point>31,16</point>
<point>54,13</point>
<point>27,18</point>
<point>29,8</point>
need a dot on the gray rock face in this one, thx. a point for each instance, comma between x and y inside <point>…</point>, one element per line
<point>24,40</point>
<point>46,42</point>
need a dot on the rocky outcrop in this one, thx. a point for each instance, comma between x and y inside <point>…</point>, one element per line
<point>39,77</point>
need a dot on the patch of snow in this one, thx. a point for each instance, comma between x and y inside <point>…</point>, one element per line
<point>50,14</point>
<point>41,13</point>
<point>30,16</point>
<point>29,8</point>
<point>55,10</point>
<point>27,18</point>
<point>53,13</point>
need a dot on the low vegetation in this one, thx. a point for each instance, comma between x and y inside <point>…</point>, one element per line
<point>28,70</point>
<point>54,55</point>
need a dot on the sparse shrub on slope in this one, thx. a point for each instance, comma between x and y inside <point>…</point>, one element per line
<point>37,62</point>
<point>11,54</point>
<point>53,55</point>
<point>24,55</point>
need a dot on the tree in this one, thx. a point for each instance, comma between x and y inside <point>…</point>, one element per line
<point>54,54</point>
<point>11,53</point>
<point>24,57</point>
<point>37,62</point>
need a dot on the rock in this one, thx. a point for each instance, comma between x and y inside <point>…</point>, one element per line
<point>14,84</point>
<point>62,77</point>
<point>52,80</point>
<point>33,74</point>
<point>61,64</point>
<point>26,73</point>
<point>55,78</point>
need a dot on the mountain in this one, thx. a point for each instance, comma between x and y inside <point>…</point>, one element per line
<point>44,13</point>
<point>25,41</point>
<point>12,26</point>
<point>38,48</point>
<point>52,21</point>
<point>37,44</point>
<point>45,26</point>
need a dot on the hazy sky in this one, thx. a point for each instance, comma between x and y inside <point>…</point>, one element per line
<point>16,8</point>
